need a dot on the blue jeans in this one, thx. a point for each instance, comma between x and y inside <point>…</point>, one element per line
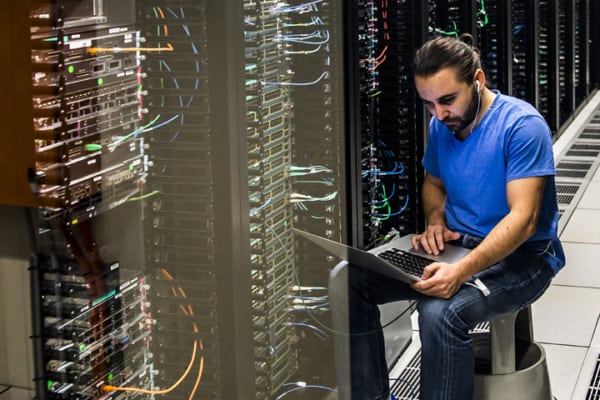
<point>447,357</point>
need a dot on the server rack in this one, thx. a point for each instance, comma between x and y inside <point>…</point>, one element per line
<point>525,55</point>
<point>293,131</point>
<point>594,35</point>
<point>582,57</point>
<point>391,119</point>
<point>89,294</point>
<point>195,205</point>
<point>494,38</point>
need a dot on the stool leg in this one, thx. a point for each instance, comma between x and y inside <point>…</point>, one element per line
<point>524,325</point>
<point>502,336</point>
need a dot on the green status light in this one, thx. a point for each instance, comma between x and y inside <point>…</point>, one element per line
<point>71,69</point>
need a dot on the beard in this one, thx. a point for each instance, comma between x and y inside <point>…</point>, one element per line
<point>460,124</point>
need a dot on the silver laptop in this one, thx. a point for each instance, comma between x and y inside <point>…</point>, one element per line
<point>396,258</point>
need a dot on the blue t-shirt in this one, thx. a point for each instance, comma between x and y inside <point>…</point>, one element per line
<point>512,141</point>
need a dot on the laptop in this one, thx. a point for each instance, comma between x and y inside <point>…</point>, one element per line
<point>396,258</point>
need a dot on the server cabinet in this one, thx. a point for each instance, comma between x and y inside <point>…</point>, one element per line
<point>594,44</point>
<point>392,121</point>
<point>536,50</point>
<point>296,177</point>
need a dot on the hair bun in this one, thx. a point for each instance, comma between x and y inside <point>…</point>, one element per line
<point>468,39</point>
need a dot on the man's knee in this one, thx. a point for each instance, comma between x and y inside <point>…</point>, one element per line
<point>435,313</point>
<point>432,310</point>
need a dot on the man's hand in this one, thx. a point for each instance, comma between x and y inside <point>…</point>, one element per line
<point>434,238</point>
<point>439,280</point>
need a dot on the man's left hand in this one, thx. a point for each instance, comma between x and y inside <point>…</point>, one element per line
<point>439,280</point>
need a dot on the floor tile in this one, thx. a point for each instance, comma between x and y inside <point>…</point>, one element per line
<point>564,363</point>
<point>583,227</point>
<point>582,267</point>
<point>566,315</point>
<point>596,177</point>
<point>591,196</point>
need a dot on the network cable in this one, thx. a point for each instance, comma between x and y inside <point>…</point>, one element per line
<point>303,38</point>
<point>300,385</point>
<point>398,170</point>
<point>313,169</point>
<point>187,310</point>
<point>301,198</point>
<point>382,217</point>
<point>320,78</point>
<point>317,331</point>
<point>314,21</point>
<point>301,8</point>
<point>385,200</point>
<point>482,15</point>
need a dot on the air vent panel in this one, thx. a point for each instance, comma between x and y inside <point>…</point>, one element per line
<point>594,389</point>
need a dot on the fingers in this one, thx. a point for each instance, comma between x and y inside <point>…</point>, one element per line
<point>433,239</point>
<point>416,239</point>
<point>429,271</point>
<point>437,281</point>
<point>449,235</point>
<point>443,290</point>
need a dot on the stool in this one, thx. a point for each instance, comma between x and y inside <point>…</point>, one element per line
<point>508,363</point>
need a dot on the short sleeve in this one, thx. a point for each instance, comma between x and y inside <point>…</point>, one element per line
<point>529,149</point>
<point>430,159</point>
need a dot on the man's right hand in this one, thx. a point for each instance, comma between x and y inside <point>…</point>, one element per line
<point>433,239</point>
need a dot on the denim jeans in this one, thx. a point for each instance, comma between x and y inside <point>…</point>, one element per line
<point>447,357</point>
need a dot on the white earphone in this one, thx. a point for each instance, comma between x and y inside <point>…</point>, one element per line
<point>478,85</point>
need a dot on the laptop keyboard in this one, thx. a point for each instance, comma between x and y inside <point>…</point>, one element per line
<point>406,261</point>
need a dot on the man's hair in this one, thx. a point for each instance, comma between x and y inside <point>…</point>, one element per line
<point>448,52</point>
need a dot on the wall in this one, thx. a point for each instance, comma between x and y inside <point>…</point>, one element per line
<point>16,358</point>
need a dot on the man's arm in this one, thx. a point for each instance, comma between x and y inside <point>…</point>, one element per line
<point>524,198</point>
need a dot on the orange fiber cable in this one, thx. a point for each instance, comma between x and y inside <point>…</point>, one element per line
<point>188,312</point>
<point>200,373</point>
<point>378,57</point>
<point>109,388</point>
<point>96,50</point>
<point>378,64</point>
<point>166,274</point>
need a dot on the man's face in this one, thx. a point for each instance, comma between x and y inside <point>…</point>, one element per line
<point>452,102</point>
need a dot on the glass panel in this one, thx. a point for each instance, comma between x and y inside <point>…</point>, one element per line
<point>137,218</point>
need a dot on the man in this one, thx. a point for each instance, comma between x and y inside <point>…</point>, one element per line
<point>489,186</point>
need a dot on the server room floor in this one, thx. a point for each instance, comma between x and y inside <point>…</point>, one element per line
<point>566,319</point>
